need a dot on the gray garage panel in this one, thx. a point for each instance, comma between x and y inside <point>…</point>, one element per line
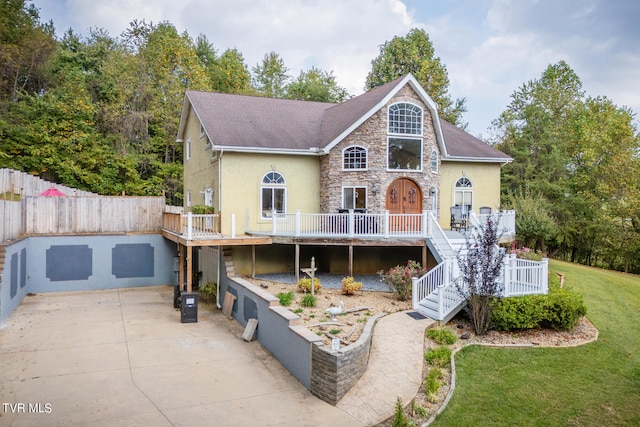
<point>132,260</point>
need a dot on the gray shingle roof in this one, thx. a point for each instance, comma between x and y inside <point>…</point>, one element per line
<point>255,123</point>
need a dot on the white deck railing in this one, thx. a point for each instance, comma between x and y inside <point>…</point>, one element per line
<point>348,225</point>
<point>519,277</point>
<point>506,221</point>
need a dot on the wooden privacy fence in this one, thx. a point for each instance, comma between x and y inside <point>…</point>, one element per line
<point>24,184</point>
<point>10,220</point>
<point>69,215</point>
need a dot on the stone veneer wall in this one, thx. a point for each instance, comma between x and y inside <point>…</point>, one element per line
<point>333,373</point>
<point>372,135</point>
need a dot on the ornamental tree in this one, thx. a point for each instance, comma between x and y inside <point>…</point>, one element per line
<point>480,269</point>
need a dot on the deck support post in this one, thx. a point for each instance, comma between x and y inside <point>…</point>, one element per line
<point>351,260</point>
<point>189,268</point>
<point>253,262</point>
<point>297,264</point>
<point>181,268</point>
<point>424,256</point>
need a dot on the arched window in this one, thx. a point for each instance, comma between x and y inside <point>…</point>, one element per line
<point>354,158</point>
<point>434,161</point>
<point>273,194</point>
<point>405,119</point>
<point>463,194</point>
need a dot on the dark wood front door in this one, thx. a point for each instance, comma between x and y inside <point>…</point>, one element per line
<point>404,197</point>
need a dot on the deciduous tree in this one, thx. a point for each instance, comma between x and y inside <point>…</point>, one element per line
<point>415,54</point>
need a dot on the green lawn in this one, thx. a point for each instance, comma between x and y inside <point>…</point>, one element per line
<point>596,384</point>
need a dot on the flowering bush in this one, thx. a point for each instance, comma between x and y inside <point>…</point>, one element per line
<point>526,253</point>
<point>399,278</point>
<point>349,285</point>
<point>305,284</point>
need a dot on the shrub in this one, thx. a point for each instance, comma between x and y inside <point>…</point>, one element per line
<point>399,418</point>
<point>526,253</point>
<point>335,331</point>
<point>439,356</point>
<point>209,292</point>
<point>305,284</point>
<point>286,298</point>
<point>561,309</point>
<point>399,278</point>
<point>432,383</point>
<point>513,313</point>
<point>564,309</point>
<point>349,285</point>
<point>442,336</point>
<point>309,300</point>
<point>298,310</point>
<point>202,209</point>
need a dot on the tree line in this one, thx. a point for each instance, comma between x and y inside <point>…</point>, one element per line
<point>100,113</point>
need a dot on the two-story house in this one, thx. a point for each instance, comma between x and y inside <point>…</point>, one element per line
<point>353,184</point>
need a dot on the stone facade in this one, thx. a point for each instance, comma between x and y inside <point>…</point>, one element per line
<point>372,134</point>
<point>333,373</point>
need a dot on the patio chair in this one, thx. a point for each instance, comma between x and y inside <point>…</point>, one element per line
<point>458,219</point>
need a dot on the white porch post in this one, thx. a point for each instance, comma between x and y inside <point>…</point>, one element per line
<point>297,224</point>
<point>233,226</point>
<point>273,222</point>
<point>189,226</point>
<point>544,263</point>
<point>352,223</point>
<point>425,224</point>
<point>386,224</point>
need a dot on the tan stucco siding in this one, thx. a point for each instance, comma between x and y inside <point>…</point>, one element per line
<point>485,178</point>
<point>242,175</point>
<point>201,168</point>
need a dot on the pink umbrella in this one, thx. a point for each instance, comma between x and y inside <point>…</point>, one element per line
<point>52,192</point>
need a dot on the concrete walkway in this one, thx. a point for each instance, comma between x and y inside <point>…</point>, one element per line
<point>122,358</point>
<point>394,369</point>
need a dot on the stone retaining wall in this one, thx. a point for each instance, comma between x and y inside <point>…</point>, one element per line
<point>333,373</point>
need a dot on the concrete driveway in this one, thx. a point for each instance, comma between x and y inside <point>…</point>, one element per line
<point>122,358</point>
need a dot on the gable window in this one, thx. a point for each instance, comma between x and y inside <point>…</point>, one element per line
<point>405,119</point>
<point>354,158</point>
<point>463,194</point>
<point>434,161</point>
<point>354,197</point>
<point>272,194</point>
<point>404,145</point>
<point>187,149</point>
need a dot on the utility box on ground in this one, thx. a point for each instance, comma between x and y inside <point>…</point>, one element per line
<point>189,307</point>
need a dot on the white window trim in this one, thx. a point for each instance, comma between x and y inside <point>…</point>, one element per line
<point>421,134</point>
<point>366,195</point>
<point>421,153</point>
<point>366,159</point>
<point>437,169</point>
<point>187,149</point>
<point>188,198</point>
<point>463,190</point>
<point>273,186</point>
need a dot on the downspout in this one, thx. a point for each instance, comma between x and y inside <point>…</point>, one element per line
<point>220,256</point>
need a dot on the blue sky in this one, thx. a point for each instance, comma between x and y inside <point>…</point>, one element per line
<point>490,47</point>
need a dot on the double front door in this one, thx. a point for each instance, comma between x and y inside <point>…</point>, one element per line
<point>404,197</point>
